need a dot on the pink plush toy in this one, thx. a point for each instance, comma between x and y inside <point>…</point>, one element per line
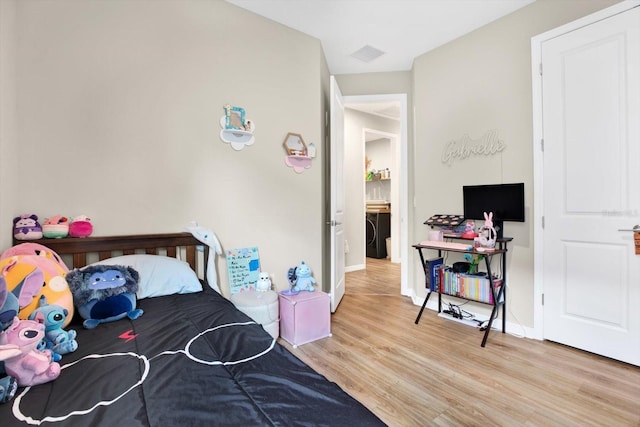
<point>80,226</point>
<point>30,248</point>
<point>22,360</point>
<point>55,227</point>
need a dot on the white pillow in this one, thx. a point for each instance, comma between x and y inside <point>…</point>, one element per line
<point>159,275</point>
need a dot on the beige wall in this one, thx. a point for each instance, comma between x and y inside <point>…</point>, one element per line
<point>8,147</point>
<point>111,109</point>
<point>117,117</point>
<point>477,83</point>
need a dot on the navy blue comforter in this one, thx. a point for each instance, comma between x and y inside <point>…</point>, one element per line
<point>190,360</point>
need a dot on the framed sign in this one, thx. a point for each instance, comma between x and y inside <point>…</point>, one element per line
<point>234,118</point>
<point>243,267</point>
<point>294,145</point>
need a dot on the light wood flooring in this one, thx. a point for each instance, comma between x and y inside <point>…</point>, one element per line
<point>436,374</point>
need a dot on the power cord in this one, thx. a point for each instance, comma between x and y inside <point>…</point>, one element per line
<point>458,313</point>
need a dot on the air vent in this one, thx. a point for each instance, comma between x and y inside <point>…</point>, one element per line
<point>367,53</point>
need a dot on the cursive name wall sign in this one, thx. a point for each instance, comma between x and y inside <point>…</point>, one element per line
<point>460,149</point>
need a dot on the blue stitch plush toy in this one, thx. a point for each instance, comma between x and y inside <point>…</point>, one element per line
<point>304,281</point>
<point>56,339</point>
<point>8,308</point>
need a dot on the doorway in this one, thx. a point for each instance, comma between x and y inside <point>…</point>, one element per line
<point>381,190</point>
<point>588,212</point>
<point>377,105</point>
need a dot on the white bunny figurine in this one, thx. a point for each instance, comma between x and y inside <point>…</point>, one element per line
<point>487,235</point>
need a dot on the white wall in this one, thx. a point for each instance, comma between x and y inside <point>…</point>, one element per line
<point>117,108</point>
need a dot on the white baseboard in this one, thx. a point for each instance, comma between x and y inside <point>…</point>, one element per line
<point>514,329</point>
<point>356,267</point>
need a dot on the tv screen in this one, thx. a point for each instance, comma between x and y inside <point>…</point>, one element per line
<point>506,201</point>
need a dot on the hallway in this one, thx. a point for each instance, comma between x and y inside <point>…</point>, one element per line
<point>381,277</point>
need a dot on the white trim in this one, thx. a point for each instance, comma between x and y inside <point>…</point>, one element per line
<point>404,179</point>
<point>356,267</point>
<point>538,126</point>
<point>514,329</point>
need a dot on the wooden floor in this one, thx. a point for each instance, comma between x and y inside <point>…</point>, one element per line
<point>436,374</point>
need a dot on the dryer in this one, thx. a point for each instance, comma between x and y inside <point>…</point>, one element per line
<point>378,226</point>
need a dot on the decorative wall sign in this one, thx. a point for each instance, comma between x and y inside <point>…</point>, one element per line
<point>234,118</point>
<point>243,267</point>
<point>460,149</point>
<point>298,156</point>
<point>294,145</point>
<point>236,129</point>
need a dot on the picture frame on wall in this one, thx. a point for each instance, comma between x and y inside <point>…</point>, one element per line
<point>234,118</point>
<point>294,145</point>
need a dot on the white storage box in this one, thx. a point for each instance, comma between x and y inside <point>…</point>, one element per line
<point>262,307</point>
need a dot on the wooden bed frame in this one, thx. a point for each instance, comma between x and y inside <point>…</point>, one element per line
<point>110,246</point>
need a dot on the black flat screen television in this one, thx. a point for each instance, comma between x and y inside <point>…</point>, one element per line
<point>506,201</point>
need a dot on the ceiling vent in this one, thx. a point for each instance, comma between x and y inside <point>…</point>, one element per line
<point>367,54</point>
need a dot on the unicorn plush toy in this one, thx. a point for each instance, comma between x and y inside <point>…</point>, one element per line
<point>208,237</point>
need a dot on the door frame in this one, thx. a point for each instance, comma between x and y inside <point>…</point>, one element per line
<point>404,180</point>
<point>336,195</point>
<point>538,208</point>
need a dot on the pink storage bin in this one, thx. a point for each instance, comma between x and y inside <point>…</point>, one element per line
<point>305,317</point>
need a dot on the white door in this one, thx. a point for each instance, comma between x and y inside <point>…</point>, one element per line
<point>591,175</point>
<point>337,196</point>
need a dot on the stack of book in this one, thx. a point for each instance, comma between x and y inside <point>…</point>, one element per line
<point>468,286</point>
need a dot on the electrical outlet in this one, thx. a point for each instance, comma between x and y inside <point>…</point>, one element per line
<point>346,246</point>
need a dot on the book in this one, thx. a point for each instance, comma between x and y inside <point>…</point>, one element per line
<point>432,273</point>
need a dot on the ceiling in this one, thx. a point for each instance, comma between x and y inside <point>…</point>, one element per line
<point>401,29</point>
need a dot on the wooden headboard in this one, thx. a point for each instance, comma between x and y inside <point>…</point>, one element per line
<point>109,246</point>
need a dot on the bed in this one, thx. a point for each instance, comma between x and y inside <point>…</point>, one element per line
<point>192,359</point>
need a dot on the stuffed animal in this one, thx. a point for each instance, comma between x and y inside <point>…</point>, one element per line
<point>9,306</point>
<point>208,237</point>
<point>30,248</point>
<point>304,281</point>
<point>8,384</point>
<point>104,293</point>
<point>56,339</point>
<point>22,360</point>
<point>469,230</point>
<point>29,277</point>
<point>27,227</point>
<point>80,226</point>
<point>55,227</point>
<point>8,388</point>
<point>264,282</point>
<point>47,345</point>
